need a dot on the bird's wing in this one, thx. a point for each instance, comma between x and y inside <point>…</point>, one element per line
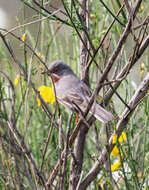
<point>75,97</point>
<point>70,99</point>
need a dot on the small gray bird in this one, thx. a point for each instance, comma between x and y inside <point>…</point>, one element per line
<point>71,91</point>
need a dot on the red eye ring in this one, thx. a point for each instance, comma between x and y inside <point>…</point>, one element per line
<point>56,70</point>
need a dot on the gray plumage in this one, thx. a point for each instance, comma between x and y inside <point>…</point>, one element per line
<point>71,91</point>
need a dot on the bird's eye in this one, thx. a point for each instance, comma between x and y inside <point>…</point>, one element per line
<point>56,70</point>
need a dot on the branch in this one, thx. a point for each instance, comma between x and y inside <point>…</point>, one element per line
<point>113,58</point>
<point>71,140</point>
<point>76,167</point>
<point>135,100</point>
<point>140,52</point>
<point>115,17</point>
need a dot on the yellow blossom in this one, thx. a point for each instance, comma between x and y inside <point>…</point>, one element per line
<point>140,175</point>
<point>114,139</point>
<point>24,37</point>
<point>142,69</point>
<point>92,16</point>
<point>47,93</point>
<point>38,102</point>
<point>142,7</point>
<point>58,21</point>
<point>17,80</point>
<point>41,67</point>
<point>39,54</point>
<point>115,151</point>
<point>116,166</point>
<point>121,139</point>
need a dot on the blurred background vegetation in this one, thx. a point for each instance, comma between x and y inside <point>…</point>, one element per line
<point>32,148</point>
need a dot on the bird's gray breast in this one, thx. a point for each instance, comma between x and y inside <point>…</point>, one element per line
<point>66,84</point>
<point>71,91</point>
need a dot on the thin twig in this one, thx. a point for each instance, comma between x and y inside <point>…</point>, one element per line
<point>115,17</point>
<point>67,150</point>
<point>112,59</point>
<point>29,23</point>
<point>140,93</point>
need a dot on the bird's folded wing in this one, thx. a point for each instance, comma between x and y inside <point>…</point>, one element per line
<point>74,96</point>
<point>71,98</point>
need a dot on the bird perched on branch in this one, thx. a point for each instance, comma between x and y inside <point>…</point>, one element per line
<point>72,92</point>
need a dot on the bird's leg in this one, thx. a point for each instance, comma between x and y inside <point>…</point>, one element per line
<point>77,119</point>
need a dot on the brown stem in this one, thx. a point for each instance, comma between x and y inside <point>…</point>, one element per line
<point>135,100</point>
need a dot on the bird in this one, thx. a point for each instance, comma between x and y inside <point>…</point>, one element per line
<point>72,92</point>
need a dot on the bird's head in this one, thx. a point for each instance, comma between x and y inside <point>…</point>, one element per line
<point>57,70</point>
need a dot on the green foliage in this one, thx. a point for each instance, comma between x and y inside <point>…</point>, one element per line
<point>57,38</point>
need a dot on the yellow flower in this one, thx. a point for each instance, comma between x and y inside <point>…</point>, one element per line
<point>17,80</point>
<point>114,139</point>
<point>41,67</point>
<point>142,69</point>
<point>24,37</point>
<point>116,166</point>
<point>38,102</point>
<point>115,151</point>
<point>142,7</point>
<point>121,139</point>
<point>47,93</point>
<point>58,21</point>
<point>39,54</point>
<point>92,16</point>
<point>140,175</point>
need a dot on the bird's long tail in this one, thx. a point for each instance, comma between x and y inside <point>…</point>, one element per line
<point>101,114</point>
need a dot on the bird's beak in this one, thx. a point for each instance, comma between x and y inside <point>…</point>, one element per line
<point>46,72</point>
<point>54,76</point>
